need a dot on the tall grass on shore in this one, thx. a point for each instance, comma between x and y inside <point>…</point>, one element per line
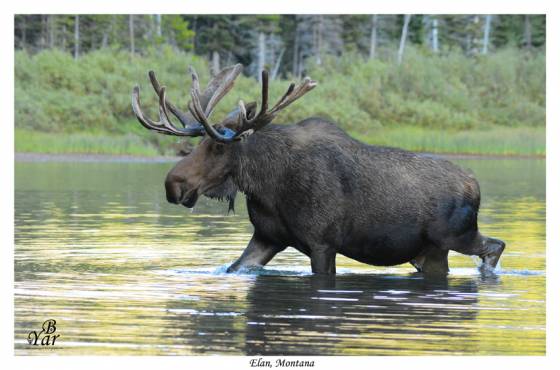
<point>82,143</point>
<point>496,141</point>
<point>446,102</point>
<point>499,141</point>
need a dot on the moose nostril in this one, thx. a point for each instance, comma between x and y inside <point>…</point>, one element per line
<point>173,192</point>
<point>173,188</point>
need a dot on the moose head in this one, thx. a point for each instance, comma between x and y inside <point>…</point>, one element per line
<point>207,169</point>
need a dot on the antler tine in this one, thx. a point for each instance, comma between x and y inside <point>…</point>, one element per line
<point>195,105</point>
<point>198,112</point>
<point>264,117</point>
<point>164,125</point>
<point>145,121</point>
<point>185,119</point>
<point>293,94</point>
<point>246,122</point>
<point>164,115</point>
<point>264,93</point>
<point>286,94</point>
<point>195,81</point>
<point>195,91</point>
<point>217,88</point>
<point>242,110</point>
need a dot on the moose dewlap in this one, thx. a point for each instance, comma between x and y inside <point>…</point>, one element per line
<point>312,187</point>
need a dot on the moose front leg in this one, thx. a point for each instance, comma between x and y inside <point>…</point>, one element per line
<point>258,253</point>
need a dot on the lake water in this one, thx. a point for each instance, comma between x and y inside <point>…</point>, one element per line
<point>98,249</point>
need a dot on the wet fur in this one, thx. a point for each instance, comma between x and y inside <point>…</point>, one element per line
<point>310,186</point>
<point>227,191</point>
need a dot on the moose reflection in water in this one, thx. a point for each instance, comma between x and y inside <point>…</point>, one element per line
<point>322,314</point>
<point>312,187</point>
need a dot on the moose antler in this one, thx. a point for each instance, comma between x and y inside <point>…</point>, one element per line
<point>264,117</point>
<point>249,125</point>
<point>196,121</point>
<point>214,92</point>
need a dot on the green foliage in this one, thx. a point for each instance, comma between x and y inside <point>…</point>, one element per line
<point>510,30</point>
<point>179,30</point>
<point>54,93</point>
<point>263,22</point>
<point>81,143</point>
<point>491,141</point>
<point>214,33</point>
<point>440,91</point>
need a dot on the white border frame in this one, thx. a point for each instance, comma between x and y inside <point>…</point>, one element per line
<point>282,7</point>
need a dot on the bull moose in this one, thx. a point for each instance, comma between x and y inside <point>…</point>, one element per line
<point>312,187</point>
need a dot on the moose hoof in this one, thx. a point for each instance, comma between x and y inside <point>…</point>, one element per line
<point>231,269</point>
<point>495,249</point>
<point>418,263</point>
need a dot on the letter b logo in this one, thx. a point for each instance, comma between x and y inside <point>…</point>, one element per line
<point>49,326</point>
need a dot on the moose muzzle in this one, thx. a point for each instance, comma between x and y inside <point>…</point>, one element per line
<point>174,189</point>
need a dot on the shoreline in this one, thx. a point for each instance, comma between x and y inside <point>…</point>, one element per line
<point>113,158</point>
<point>93,158</point>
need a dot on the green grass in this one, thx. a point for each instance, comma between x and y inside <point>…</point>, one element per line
<point>82,143</point>
<point>449,91</point>
<point>444,103</point>
<point>506,141</point>
<point>493,141</point>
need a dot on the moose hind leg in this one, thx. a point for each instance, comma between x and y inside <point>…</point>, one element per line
<point>323,260</point>
<point>432,261</point>
<point>488,249</point>
<point>493,249</point>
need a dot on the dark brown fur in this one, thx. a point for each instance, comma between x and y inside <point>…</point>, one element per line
<point>312,187</point>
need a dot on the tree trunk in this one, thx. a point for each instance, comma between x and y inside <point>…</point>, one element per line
<point>215,63</point>
<point>261,55</point>
<point>105,39</point>
<point>112,28</point>
<point>229,58</point>
<point>63,41</point>
<point>51,25</point>
<point>295,59</point>
<point>475,43</point>
<point>300,64</point>
<point>404,35</point>
<point>195,38</point>
<point>106,31</point>
<point>43,37</point>
<point>23,32</point>
<point>158,25</point>
<point>528,35</point>
<point>486,40</point>
<point>435,36</point>
<point>76,37</point>
<point>131,33</point>
<point>277,65</point>
<point>319,40</point>
<point>373,37</point>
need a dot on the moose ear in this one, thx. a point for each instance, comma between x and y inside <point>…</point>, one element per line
<point>232,119</point>
<point>251,109</point>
